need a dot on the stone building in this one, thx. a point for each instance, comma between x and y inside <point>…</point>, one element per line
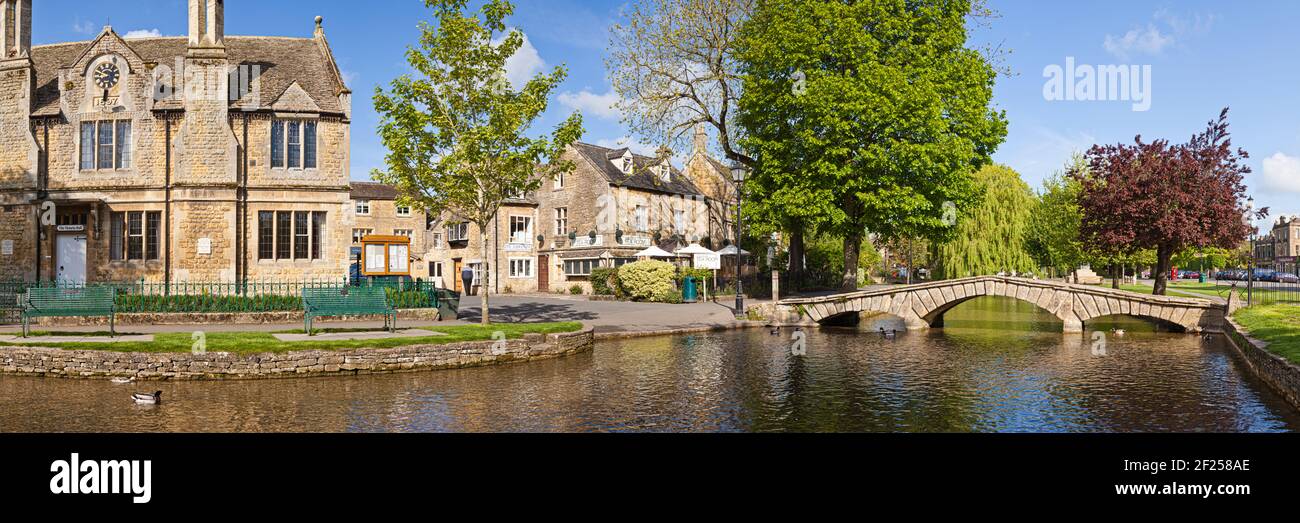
<point>375,211</point>
<point>613,205</point>
<point>1280,249</point>
<point>199,158</point>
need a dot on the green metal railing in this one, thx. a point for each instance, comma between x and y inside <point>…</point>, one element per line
<point>223,297</point>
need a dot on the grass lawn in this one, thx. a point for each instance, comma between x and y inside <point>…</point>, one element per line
<point>1279,325</point>
<point>261,342</point>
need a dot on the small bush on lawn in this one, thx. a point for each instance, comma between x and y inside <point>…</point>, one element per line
<point>604,282</point>
<point>648,280</point>
<point>576,290</point>
<point>668,296</point>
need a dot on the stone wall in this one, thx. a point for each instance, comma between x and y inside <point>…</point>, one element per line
<point>227,318</point>
<point>225,366</point>
<point>1280,374</point>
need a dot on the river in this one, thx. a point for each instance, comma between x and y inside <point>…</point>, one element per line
<point>997,366</point>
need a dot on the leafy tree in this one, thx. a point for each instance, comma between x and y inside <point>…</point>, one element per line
<point>1054,224</point>
<point>1154,195</point>
<point>455,128</point>
<point>866,115</point>
<point>993,236</point>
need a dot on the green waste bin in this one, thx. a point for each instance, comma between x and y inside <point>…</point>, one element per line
<point>448,304</point>
<point>689,292</point>
<point>1202,279</point>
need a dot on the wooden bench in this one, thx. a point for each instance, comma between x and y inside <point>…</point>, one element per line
<point>347,301</point>
<point>57,302</point>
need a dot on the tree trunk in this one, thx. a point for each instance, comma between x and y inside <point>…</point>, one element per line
<point>852,252</point>
<point>1115,275</point>
<point>1164,257</point>
<point>797,251</point>
<point>484,278</point>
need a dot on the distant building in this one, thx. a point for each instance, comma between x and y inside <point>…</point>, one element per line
<point>1282,245</point>
<point>374,211</point>
<point>613,205</point>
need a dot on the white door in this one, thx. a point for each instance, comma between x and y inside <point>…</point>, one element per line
<point>70,253</point>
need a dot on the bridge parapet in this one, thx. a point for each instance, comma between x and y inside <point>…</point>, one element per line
<point>923,305</point>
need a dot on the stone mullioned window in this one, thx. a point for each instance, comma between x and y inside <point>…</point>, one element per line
<point>290,235</point>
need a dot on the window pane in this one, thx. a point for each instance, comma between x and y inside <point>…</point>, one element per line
<point>317,234</point>
<point>374,258</point>
<point>309,145</point>
<point>277,144</point>
<point>283,233</point>
<point>87,145</point>
<point>398,258</point>
<point>300,236</point>
<point>295,145</point>
<point>123,153</point>
<point>105,145</point>
<point>117,236</point>
<point>135,235</point>
<point>265,235</point>
<point>152,219</point>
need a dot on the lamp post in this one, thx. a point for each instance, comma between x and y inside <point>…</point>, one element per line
<point>738,173</point>
<point>1250,271</point>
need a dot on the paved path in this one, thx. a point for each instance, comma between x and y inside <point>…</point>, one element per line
<point>604,316</point>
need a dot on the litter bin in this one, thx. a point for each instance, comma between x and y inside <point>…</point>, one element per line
<point>1202,279</point>
<point>448,304</point>
<point>689,293</point>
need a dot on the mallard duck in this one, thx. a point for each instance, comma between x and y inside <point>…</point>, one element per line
<point>122,381</point>
<point>147,399</point>
<point>776,331</point>
<point>888,334</point>
<point>1118,332</point>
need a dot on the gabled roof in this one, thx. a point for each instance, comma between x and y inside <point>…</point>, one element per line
<point>642,177</point>
<point>283,61</point>
<point>373,191</point>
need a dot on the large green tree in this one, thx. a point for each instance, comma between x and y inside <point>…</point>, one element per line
<point>865,115</point>
<point>992,236</point>
<point>1054,237</point>
<point>457,130</point>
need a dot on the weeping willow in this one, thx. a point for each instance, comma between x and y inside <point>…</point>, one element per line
<point>991,237</point>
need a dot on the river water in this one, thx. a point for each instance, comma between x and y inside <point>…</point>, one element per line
<point>998,366</point>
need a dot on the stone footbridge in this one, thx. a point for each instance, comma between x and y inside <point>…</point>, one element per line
<point>922,306</point>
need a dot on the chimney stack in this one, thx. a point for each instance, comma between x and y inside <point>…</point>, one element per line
<point>207,28</point>
<point>15,29</point>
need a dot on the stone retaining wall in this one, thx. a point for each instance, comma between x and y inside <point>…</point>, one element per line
<point>218,318</point>
<point>28,361</point>
<point>1279,373</point>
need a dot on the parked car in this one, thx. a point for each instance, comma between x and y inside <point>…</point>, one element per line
<point>1189,275</point>
<point>1286,277</point>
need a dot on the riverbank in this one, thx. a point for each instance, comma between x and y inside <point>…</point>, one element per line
<point>254,363</point>
<point>1268,339</point>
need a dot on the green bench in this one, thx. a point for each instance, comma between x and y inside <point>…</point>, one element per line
<point>56,302</point>
<point>347,301</point>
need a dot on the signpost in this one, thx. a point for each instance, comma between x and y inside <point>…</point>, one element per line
<point>712,261</point>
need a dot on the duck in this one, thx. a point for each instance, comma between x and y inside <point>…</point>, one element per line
<point>776,331</point>
<point>147,399</point>
<point>1118,332</point>
<point>888,334</point>
<point>122,381</point>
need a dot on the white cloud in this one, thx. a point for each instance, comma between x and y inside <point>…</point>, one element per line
<point>85,27</point>
<point>630,143</point>
<point>1281,173</point>
<point>592,104</point>
<point>524,64</point>
<point>142,33</point>
<point>1149,41</point>
<point>349,77</point>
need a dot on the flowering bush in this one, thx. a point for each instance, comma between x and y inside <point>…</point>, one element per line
<point>648,280</point>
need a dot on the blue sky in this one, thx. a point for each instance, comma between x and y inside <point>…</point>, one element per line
<point>1203,56</point>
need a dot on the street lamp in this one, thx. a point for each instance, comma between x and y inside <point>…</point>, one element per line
<point>738,173</point>
<point>1250,272</point>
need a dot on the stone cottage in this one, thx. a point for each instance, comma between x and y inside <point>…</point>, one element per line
<point>199,158</point>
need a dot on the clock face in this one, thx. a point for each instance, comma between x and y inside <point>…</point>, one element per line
<point>107,75</point>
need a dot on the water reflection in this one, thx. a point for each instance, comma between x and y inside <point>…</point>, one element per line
<point>974,375</point>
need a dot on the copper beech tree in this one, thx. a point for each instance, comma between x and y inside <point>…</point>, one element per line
<point>1166,197</point>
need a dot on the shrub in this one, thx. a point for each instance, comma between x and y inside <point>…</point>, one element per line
<point>576,290</point>
<point>604,282</point>
<point>648,280</point>
<point>668,296</point>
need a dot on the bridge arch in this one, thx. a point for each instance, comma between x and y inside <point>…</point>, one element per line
<point>923,306</point>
